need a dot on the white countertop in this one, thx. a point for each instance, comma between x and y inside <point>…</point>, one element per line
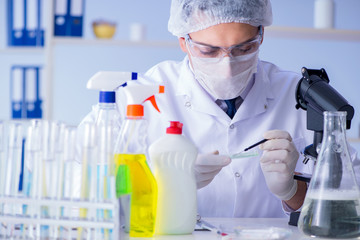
<point>228,224</point>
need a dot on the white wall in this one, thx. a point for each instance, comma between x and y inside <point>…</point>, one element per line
<point>74,65</point>
<point>340,59</point>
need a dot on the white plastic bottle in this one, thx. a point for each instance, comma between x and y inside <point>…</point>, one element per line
<point>173,157</point>
<point>324,11</point>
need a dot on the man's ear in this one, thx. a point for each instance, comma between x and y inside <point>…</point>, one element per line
<point>183,44</point>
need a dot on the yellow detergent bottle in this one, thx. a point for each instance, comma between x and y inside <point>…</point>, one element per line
<point>131,164</point>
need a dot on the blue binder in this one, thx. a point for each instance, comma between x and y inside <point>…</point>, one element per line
<point>68,19</point>
<point>24,23</point>
<point>25,92</point>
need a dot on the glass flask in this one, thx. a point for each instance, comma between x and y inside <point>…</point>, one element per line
<point>331,207</point>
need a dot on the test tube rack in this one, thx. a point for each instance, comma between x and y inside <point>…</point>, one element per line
<point>72,225</point>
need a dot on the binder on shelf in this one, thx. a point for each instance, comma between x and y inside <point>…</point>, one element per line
<point>24,23</point>
<point>68,19</point>
<point>17,92</point>
<point>25,92</point>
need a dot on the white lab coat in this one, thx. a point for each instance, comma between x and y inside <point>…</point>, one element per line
<point>239,190</point>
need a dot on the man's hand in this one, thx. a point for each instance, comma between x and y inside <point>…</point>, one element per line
<point>278,163</point>
<point>207,166</point>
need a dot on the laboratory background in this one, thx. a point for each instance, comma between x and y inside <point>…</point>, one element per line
<point>141,39</point>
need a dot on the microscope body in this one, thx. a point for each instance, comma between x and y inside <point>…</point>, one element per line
<point>315,95</point>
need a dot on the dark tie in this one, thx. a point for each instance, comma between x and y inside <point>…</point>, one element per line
<point>231,110</point>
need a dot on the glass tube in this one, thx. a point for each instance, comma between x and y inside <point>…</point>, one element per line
<point>2,160</point>
<point>13,170</point>
<point>88,175</point>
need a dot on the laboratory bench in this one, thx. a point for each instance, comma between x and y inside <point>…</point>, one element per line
<point>228,224</point>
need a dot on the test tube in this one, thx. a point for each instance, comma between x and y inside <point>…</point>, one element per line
<point>33,167</point>
<point>2,161</point>
<point>52,151</point>
<point>104,174</point>
<point>53,133</point>
<point>88,174</point>
<point>69,158</point>
<point>70,142</point>
<point>13,170</point>
<point>2,173</point>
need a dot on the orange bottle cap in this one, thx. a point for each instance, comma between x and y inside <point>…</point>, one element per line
<point>135,110</point>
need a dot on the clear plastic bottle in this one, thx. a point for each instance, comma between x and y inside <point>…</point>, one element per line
<point>107,119</point>
<point>173,157</point>
<point>332,204</point>
<point>108,124</point>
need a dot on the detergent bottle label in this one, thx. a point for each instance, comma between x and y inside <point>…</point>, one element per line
<point>143,193</point>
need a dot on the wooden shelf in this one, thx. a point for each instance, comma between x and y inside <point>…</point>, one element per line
<point>313,33</point>
<point>51,42</point>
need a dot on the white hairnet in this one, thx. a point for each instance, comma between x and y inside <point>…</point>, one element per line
<point>187,16</point>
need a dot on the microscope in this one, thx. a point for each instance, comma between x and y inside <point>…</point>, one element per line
<point>314,95</point>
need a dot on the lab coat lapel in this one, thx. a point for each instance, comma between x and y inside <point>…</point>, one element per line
<point>256,102</point>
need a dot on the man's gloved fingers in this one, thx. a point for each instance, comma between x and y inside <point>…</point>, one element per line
<point>276,144</point>
<point>212,160</point>
<point>206,176</point>
<point>276,134</point>
<point>275,156</point>
<point>275,167</point>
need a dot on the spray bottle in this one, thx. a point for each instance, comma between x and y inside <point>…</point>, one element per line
<point>173,157</point>
<point>108,124</point>
<point>130,159</point>
<point>107,121</point>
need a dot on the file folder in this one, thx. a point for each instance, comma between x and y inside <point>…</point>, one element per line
<point>32,96</point>
<point>60,18</point>
<point>24,23</point>
<point>31,22</point>
<point>76,18</point>
<point>26,100</point>
<point>16,22</point>
<point>68,19</point>
<point>17,96</point>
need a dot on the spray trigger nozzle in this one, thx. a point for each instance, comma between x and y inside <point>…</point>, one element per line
<point>153,102</point>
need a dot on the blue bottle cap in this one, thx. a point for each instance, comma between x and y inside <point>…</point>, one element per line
<point>107,97</point>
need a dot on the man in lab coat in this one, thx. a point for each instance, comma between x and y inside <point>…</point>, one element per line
<point>228,99</point>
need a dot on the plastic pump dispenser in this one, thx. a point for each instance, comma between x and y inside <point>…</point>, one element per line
<point>173,157</point>
<point>133,175</point>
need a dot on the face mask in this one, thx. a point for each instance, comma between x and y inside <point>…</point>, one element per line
<point>227,78</point>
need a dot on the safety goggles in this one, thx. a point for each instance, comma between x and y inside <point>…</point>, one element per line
<point>202,50</point>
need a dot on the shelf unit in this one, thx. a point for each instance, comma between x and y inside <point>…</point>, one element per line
<point>52,41</point>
